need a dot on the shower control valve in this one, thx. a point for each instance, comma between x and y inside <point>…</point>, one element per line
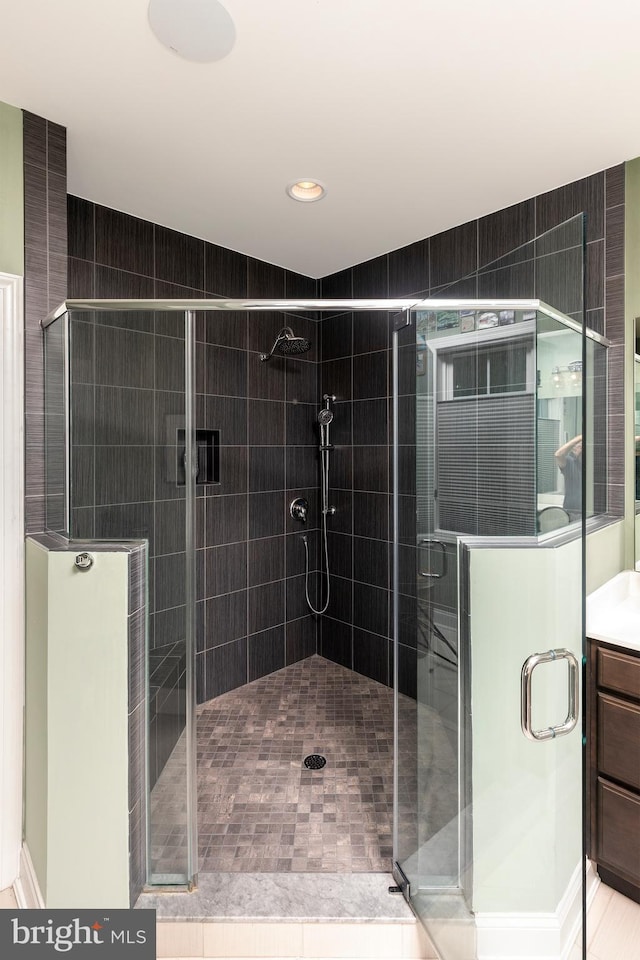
<point>83,561</point>
<point>298,509</point>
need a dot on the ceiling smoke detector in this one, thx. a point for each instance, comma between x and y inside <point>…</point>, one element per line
<point>306,190</point>
<point>197,30</point>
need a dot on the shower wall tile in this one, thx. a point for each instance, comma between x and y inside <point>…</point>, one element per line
<point>221,371</point>
<point>371,331</point>
<point>81,227</point>
<point>340,599</point>
<point>371,656</point>
<point>300,639</point>
<point>301,383</point>
<point>264,280</point>
<point>371,561</point>
<point>266,468</point>
<point>266,652</point>
<point>336,641</point>
<point>45,286</point>
<point>136,518</point>
<point>179,258</point>
<point>337,379</point>
<point>301,424</point>
<point>370,375</point>
<point>226,414</point>
<point>502,232</point>
<point>126,357</point>
<point>614,185</point>
<point>226,569</point>
<point>338,286</point>
<point>295,551</point>
<point>225,329</point>
<point>302,466</point>
<point>295,597</point>
<point>224,668</point>
<point>266,606</point>
<point>266,514</point>
<point>408,270</point>
<point>233,472</point>
<point>226,519</point>
<point>225,272</point>
<point>266,379</point>
<point>337,336</point>
<point>226,619</point>
<point>123,241</point>
<point>453,254</point>
<point>341,554</point>
<point>370,422</point>
<point>582,196</point>
<point>370,608</point>
<point>298,287</point>
<point>266,419</point>
<point>266,560</point>
<point>124,474</point>
<point>615,241</point>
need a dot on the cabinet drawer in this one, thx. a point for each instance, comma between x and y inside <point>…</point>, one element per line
<point>619,740</point>
<point>619,672</point>
<point>619,830</point>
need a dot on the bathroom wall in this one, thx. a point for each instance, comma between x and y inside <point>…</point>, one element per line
<point>356,367</point>
<point>11,191</point>
<point>251,614</point>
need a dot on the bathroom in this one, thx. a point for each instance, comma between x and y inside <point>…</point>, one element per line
<point>115,256</point>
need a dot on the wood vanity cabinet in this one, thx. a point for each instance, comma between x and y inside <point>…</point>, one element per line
<point>613,782</point>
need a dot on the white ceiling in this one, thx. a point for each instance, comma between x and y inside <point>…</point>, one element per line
<point>416,114</point>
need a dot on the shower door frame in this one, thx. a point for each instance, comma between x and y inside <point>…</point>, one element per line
<point>189,308</point>
<point>402,308</point>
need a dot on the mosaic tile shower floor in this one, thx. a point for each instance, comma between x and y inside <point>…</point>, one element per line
<point>259,808</point>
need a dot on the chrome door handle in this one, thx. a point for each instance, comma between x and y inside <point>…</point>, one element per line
<point>550,733</point>
<point>427,541</point>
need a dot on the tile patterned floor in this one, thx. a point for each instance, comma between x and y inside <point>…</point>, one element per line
<point>261,810</point>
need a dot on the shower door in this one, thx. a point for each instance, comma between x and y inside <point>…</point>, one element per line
<point>488,778</point>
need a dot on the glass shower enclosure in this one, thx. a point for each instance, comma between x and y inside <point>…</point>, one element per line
<point>488,567</point>
<point>491,416</point>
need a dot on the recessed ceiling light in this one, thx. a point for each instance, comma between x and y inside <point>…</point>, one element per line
<point>306,190</point>
<point>199,30</point>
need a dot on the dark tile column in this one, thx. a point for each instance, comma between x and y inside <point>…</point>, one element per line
<point>45,266</point>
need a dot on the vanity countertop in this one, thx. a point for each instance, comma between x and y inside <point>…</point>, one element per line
<point>613,611</point>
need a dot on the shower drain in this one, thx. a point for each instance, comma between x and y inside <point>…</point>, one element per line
<point>314,762</point>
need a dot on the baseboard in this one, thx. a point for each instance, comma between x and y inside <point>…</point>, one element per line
<point>26,887</point>
<point>535,936</point>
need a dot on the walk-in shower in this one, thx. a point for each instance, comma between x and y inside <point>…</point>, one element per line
<point>139,386</point>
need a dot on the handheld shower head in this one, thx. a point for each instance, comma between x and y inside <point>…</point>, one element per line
<point>325,417</point>
<point>287,344</point>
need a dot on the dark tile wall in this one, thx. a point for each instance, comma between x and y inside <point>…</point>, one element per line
<point>45,286</point>
<point>355,365</point>
<point>251,614</point>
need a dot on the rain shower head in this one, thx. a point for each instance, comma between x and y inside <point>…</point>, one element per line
<point>287,344</point>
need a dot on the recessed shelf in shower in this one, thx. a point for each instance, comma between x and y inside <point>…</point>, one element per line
<point>206,455</point>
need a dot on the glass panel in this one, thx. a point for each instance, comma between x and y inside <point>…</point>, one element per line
<point>55,419</point>
<point>130,411</point>
<point>481,844</point>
